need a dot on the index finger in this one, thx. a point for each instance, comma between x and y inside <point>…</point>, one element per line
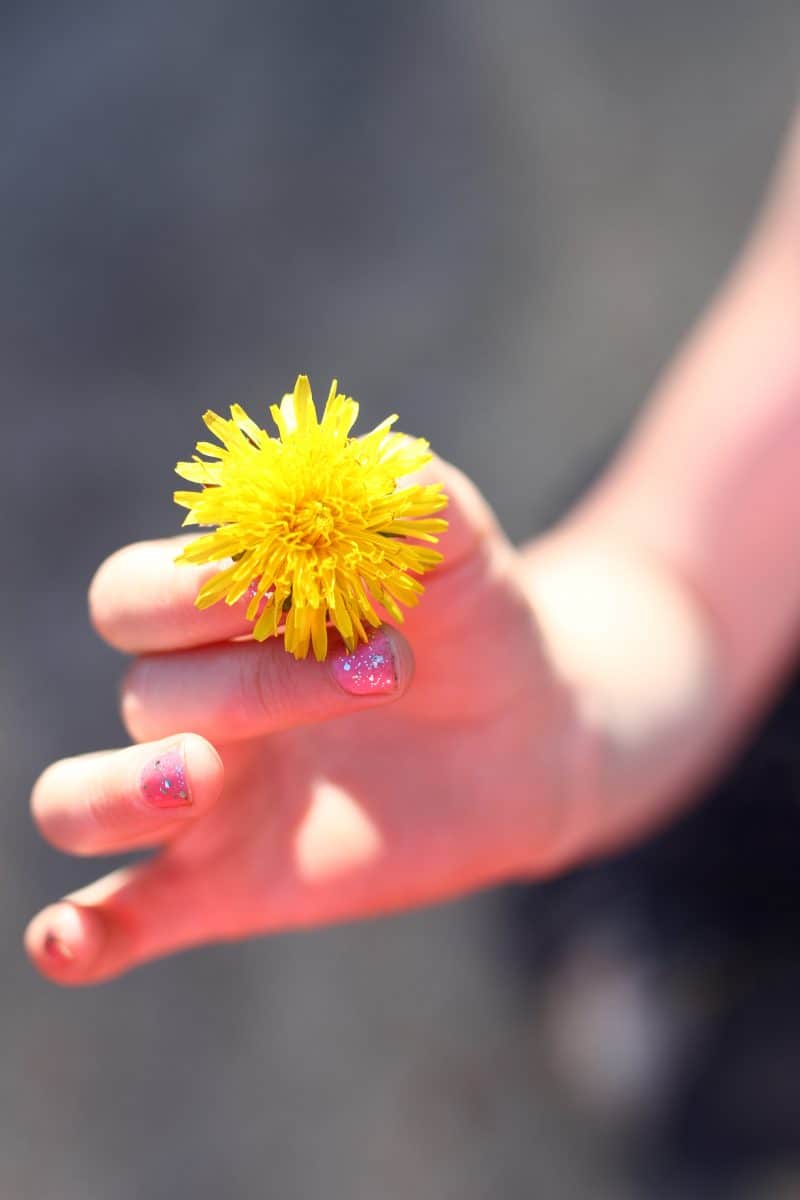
<point>142,602</point>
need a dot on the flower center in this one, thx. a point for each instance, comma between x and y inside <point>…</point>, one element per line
<point>311,522</point>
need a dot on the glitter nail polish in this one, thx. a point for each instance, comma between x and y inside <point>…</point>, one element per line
<point>369,670</point>
<point>252,592</point>
<point>163,781</point>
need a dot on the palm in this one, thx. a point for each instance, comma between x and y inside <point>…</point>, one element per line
<point>398,805</point>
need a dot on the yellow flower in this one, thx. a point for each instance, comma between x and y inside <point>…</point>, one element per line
<point>313,519</point>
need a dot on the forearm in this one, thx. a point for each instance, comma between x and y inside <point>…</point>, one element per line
<point>670,597</point>
<point>709,482</point>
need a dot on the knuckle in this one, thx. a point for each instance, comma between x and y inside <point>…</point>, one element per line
<point>265,686</point>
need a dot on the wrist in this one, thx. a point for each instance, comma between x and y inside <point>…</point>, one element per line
<point>640,659</point>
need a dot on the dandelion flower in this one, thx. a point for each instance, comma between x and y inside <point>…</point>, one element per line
<point>314,523</point>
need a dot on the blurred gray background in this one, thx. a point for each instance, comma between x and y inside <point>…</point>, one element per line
<point>496,219</point>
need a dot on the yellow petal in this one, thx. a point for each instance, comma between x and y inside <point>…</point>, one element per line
<point>315,515</point>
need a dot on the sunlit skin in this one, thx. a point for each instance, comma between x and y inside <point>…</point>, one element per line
<point>404,797</point>
<point>546,704</point>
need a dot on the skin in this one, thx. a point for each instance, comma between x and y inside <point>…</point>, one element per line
<point>551,702</point>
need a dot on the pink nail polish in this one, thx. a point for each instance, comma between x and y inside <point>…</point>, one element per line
<point>56,949</point>
<point>369,670</point>
<point>163,781</point>
<point>252,591</point>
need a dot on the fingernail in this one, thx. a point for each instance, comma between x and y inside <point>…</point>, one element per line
<point>56,948</point>
<point>370,670</point>
<point>163,781</point>
<point>68,936</point>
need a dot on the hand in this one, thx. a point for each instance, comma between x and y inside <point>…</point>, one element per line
<point>450,771</point>
<point>665,613</point>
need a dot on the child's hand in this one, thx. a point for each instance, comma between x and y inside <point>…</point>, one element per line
<point>447,771</point>
<point>666,610</point>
